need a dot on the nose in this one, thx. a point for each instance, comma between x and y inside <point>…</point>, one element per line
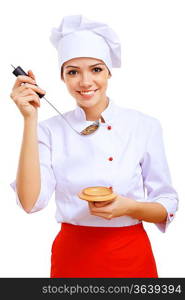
<point>86,80</point>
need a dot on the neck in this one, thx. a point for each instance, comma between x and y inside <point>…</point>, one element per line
<point>94,113</point>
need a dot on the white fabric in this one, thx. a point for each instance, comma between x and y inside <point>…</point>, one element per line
<point>79,37</point>
<point>70,162</point>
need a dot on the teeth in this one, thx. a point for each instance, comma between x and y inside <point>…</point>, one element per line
<point>87,93</point>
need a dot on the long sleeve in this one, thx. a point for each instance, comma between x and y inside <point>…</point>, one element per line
<point>156,175</point>
<point>48,181</point>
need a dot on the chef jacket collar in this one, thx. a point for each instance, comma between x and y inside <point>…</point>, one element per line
<point>107,114</point>
<point>78,118</point>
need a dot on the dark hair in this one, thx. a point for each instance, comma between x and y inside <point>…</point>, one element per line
<point>61,73</point>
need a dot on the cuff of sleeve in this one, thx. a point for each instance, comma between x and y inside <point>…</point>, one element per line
<point>39,204</point>
<point>36,206</point>
<point>13,186</point>
<point>171,207</point>
<point>163,226</point>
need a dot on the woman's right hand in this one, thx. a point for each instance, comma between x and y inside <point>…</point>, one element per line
<point>24,95</point>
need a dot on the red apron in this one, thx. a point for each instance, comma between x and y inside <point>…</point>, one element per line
<point>107,252</point>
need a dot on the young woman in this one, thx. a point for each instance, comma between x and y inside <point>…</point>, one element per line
<point>126,153</point>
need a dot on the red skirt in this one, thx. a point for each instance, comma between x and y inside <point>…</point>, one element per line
<point>107,252</point>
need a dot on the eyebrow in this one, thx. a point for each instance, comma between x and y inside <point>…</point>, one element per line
<point>79,67</point>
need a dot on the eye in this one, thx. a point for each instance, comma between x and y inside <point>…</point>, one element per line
<point>96,70</point>
<point>72,72</point>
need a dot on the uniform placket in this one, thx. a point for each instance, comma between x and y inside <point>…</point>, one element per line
<point>111,157</point>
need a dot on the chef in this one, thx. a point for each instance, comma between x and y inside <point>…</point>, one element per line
<point>123,152</point>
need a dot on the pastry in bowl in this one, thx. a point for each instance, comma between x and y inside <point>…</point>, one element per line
<point>97,193</point>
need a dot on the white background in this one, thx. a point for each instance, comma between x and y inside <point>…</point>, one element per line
<point>151,80</point>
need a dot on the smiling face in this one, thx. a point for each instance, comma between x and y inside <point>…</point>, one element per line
<point>86,80</point>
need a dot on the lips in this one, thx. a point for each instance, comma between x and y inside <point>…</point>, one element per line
<point>87,94</point>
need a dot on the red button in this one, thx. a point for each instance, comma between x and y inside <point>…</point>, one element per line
<point>109,127</point>
<point>110,158</point>
<point>171,215</point>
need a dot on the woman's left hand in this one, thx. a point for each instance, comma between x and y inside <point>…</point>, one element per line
<point>120,206</point>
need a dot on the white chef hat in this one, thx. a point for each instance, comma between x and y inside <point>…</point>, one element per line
<point>79,37</point>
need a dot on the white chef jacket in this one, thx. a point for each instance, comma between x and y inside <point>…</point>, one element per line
<point>125,153</point>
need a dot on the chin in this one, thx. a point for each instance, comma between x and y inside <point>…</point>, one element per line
<point>87,103</point>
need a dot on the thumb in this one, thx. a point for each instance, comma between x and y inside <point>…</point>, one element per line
<point>30,74</point>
